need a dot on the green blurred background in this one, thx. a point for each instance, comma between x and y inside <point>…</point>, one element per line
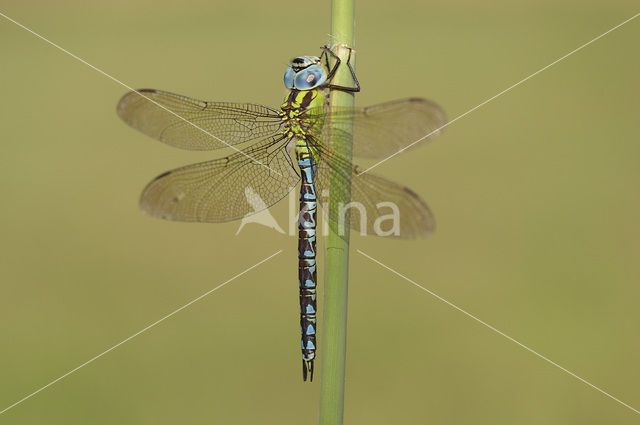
<point>535,195</point>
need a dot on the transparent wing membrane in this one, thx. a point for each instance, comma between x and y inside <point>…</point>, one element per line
<point>223,189</point>
<point>382,130</point>
<point>378,130</point>
<point>226,123</point>
<point>237,185</point>
<point>378,206</point>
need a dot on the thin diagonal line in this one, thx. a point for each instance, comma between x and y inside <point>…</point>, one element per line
<point>501,93</point>
<point>134,90</point>
<point>498,331</point>
<point>139,332</point>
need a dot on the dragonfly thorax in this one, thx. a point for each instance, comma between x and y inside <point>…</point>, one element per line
<point>297,122</point>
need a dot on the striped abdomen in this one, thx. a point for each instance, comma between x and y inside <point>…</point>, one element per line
<point>307,259</point>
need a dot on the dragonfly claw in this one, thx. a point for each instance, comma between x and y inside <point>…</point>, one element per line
<point>307,369</point>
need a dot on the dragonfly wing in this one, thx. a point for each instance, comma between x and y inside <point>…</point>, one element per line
<point>195,124</point>
<point>382,130</point>
<point>224,189</point>
<point>378,206</point>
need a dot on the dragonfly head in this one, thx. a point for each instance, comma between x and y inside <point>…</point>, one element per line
<point>305,73</point>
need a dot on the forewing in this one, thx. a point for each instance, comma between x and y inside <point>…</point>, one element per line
<point>195,124</point>
<point>223,189</point>
<point>382,130</point>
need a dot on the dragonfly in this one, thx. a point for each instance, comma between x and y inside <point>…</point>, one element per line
<point>276,150</point>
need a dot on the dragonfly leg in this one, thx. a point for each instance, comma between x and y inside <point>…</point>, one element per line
<point>327,51</point>
<point>326,61</point>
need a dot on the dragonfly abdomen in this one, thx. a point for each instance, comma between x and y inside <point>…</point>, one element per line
<point>307,260</point>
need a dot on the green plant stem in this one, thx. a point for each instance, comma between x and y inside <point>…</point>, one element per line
<point>334,329</point>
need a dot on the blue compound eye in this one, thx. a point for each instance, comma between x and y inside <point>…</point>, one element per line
<point>289,76</point>
<point>309,78</point>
